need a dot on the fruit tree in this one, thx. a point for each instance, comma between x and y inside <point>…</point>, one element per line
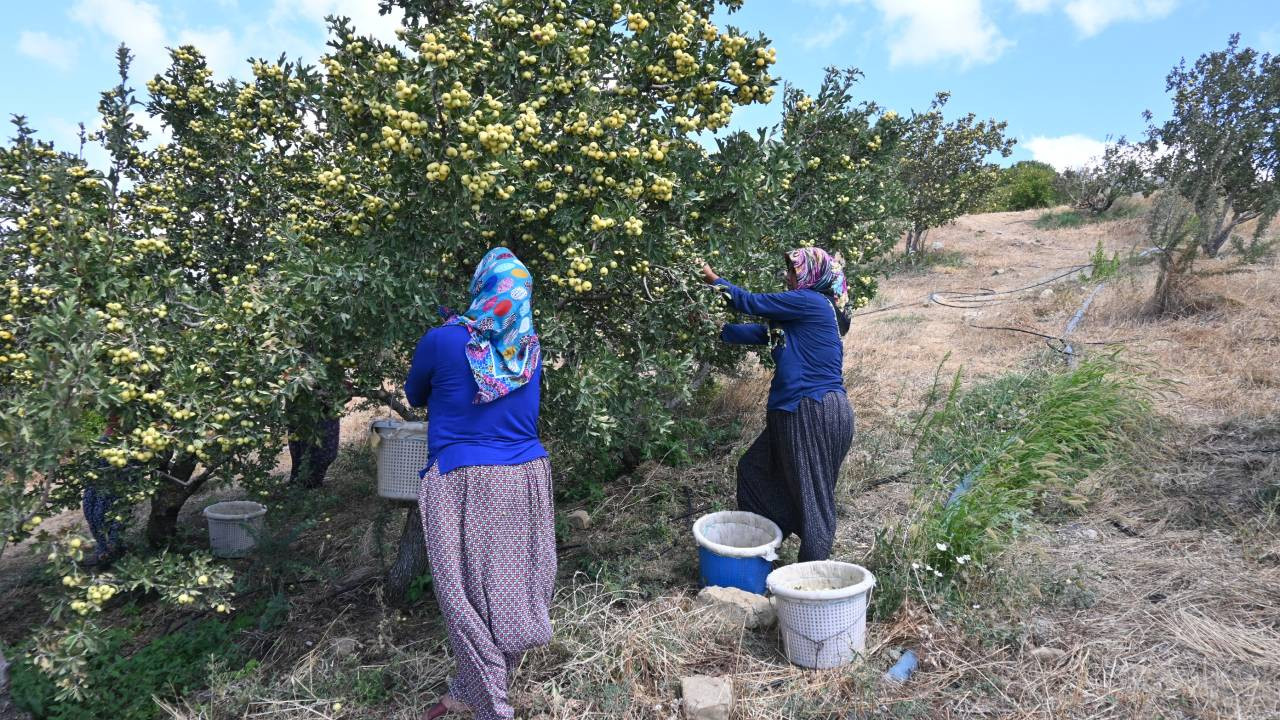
<point>944,167</point>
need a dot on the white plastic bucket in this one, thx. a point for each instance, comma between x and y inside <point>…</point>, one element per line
<point>402,454</point>
<point>736,533</point>
<point>234,527</point>
<point>822,611</point>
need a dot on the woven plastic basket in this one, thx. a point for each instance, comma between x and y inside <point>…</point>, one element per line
<point>402,454</point>
<point>822,611</point>
<point>234,527</point>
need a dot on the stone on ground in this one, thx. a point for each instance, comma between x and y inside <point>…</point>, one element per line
<point>1048,654</point>
<point>579,520</point>
<point>739,606</point>
<point>706,698</point>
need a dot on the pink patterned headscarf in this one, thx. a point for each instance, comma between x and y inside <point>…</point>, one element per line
<point>817,270</point>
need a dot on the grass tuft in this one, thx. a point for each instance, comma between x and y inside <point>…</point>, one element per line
<point>998,452</point>
<point>1067,219</point>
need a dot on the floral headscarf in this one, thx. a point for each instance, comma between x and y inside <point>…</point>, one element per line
<point>816,270</point>
<point>503,351</point>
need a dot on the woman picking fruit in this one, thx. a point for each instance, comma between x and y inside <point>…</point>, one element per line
<point>789,473</point>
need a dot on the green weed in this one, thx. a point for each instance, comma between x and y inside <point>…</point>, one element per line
<point>1012,444</point>
<point>1104,267</point>
<point>125,685</point>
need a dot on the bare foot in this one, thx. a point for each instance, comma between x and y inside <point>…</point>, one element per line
<point>447,705</point>
<point>455,706</point>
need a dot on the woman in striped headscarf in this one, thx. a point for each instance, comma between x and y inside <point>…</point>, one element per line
<point>789,473</point>
<point>486,489</point>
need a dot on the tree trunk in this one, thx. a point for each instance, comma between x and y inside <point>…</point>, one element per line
<point>166,504</point>
<point>1213,245</point>
<point>1166,283</point>
<point>6,702</point>
<point>411,559</point>
<point>915,240</point>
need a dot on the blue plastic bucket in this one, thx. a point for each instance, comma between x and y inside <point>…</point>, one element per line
<point>736,549</point>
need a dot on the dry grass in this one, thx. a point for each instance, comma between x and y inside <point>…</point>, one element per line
<point>1181,624</point>
<point>614,656</point>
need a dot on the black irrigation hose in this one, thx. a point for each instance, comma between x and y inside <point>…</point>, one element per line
<point>978,297</point>
<point>880,310</point>
<point>1050,339</point>
<point>986,297</point>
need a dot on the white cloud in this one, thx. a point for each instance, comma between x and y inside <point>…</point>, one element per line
<point>140,26</point>
<point>363,13</point>
<point>1093,16</point>
<point>58,52</point>
<point>834,30</point>
<point>1066,151</point>
<point>221,50</point>
<point>132,22</point>
<point>925,31</point>
<point>1033,6</point>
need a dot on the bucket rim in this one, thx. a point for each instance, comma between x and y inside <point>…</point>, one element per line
<point>413,426</point>
<point>213,512</point>
<point>767,550</point>
<point>777,579</point>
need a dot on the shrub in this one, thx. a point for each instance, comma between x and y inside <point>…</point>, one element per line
<point>125,684</point>
<point>1074,218</point>
<point>1023,186</point>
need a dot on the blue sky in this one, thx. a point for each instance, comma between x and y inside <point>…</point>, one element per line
<point>1065,74</point>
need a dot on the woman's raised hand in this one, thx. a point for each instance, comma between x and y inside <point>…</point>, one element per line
<point>709,276</point>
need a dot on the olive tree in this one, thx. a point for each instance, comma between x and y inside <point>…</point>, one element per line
<point>1219,152</point>
<point>1123,169</point>
<point>944,167</point>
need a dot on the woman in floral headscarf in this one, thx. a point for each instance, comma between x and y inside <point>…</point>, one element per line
<point>789,473</point>
<point>486,490</point>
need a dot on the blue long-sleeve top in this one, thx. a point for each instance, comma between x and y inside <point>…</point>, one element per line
<point>461,433</point>
<point>810,356</point>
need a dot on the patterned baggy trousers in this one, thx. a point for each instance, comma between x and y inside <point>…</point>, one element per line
<point>789,473</point>
<point>491,541</point>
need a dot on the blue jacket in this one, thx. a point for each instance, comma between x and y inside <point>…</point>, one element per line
<point>459,432</point>
<point>809,354</point>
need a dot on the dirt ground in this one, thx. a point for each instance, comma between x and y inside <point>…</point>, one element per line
<point>1161,599</point>
<point>1174,578</point>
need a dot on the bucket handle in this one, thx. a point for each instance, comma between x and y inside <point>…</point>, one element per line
<point>820,643</point>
